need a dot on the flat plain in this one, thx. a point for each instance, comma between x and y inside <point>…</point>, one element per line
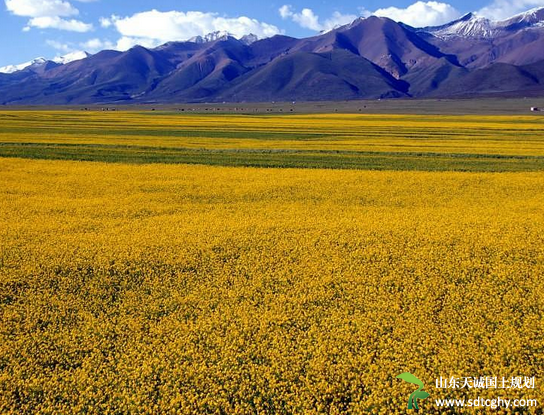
<point>149,263</point>
<point>341,141</point>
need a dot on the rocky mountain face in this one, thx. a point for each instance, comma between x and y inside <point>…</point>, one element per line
<point>370,58</point>
<point>472,26</point>
<point>479,42</point>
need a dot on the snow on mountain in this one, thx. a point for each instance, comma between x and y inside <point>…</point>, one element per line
<point>249,39</point>
<point>210,37</point>
<point>223,35</point>
<point>474,26</point>
<point>533,17</point>
<point>35,63</point>
<point>373,57</point>
<point>71,57</point>
<point>20,67</point>
<point>469,25</point>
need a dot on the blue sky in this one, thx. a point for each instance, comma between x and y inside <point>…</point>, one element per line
<point>50,28</point>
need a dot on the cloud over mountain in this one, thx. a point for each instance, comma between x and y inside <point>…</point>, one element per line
<point>421,14</point>
<point>307,19</point>
<point>153,27</point>
<point>48,14</point>
<point>370,57</point>
<point>501,9</point>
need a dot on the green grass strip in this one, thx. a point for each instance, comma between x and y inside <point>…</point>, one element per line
<point>275,158</point>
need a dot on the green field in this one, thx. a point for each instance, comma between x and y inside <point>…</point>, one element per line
<point>369,142</point>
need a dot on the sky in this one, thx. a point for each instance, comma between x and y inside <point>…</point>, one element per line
<point>52,28</point>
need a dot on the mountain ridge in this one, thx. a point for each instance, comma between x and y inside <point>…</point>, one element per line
<point>472,25</point>
<point>369,58</point>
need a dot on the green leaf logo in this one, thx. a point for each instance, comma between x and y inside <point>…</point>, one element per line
<point>418,394</point>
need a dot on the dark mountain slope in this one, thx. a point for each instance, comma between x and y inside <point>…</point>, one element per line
<point>479,42</point>
<point>520,48</point>
<point>266,50</point>
<point>382,41</point>
<point>498,78</point>
<point>314,76</point>
<point>425,80</point>
<point>105,77</point>
<point>205,73</point>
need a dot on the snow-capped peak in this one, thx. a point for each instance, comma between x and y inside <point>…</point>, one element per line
<point>223,35</point>
<point>211,37</point>
<point>530,15</point>
<point>470,25</point>
<point>249,39</point>
<point>38,62</point>
<point>474,26</point>
<point>529,18</point>
<point>71,57</point>
<point>20,67</point>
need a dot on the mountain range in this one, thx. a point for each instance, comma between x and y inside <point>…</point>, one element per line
<point>41,61</point>
<point>373,57</point>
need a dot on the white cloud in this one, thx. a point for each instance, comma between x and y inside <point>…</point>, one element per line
<point>62,47</point>
<point>306,18</point>
<point>48,14</point>
<point>421,14</point>
<point>153,27</point>
<point>286,11</point>
<point>41,8</point>
<point>309,20</point>
<point>105,22</point>
<point>96,45</point>
<point>127,42</point>
<point>503,9</point>
<point>55,22</point>
<point>91,46</point>
<point>339,19</point>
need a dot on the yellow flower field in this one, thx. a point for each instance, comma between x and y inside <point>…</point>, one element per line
<point>460,134</point>
<point>175,289</point>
